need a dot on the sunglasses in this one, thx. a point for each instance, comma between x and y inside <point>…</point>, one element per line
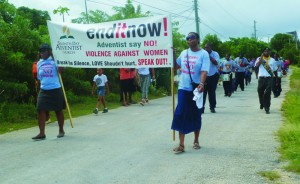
<point>43,50</point>
<point>191,37</point>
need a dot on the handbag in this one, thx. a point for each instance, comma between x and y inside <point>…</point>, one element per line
<point>195,85</point>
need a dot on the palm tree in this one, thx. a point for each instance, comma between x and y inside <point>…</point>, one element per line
<point>62,11</point>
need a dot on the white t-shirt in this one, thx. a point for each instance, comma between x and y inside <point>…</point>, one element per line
<point>198,61</point>
<point>262,72</point>
<point>100,80</point>
<point>143,71</point>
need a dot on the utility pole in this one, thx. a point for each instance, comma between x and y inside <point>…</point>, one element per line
<point>255,30</point>
<point>196,17</point>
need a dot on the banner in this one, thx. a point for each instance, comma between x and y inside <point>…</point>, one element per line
<point>131,43</point>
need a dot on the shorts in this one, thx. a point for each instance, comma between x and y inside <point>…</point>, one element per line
<point>101,91</point>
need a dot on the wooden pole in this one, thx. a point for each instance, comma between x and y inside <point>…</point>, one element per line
<point>65,96</point>
<point>173,98</point>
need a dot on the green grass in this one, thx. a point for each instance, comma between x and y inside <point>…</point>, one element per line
<point>270,175</point>
<point>19,116</point>
<point>289,133</point>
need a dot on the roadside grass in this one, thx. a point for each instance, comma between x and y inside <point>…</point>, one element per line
<point>289,133</point>
<point>270,175</point>
<point>15,116</point>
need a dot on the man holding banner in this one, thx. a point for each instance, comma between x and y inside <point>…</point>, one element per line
<point>194,63</point>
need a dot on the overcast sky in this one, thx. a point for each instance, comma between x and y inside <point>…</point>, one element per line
<point>226,18</point>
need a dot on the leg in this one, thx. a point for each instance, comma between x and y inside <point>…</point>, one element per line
<point>103,102</point>
<point>196,140</point>
<point>242,81</point>
<point>60,119</point>
<point>260,91</point>
<point>212,92</point>
<point>98,102</point>
<point>197,133</point>
<point>42,121</point>
<point>267,94</point>
<point>180,148</point>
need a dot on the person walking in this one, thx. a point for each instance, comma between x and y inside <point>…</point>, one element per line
<point>226,68</point>
<point>100,80</point>
<point>145,77</point>
<point>194,63</point>
<point>276,84</point>
<point>212,79</point>
<point>125,76</point>
<point>242,64</point>
<point>50,97</point>
<point>267,68</point>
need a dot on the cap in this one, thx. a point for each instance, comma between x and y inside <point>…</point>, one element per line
<point>45,47</point>
<point>196,34</point>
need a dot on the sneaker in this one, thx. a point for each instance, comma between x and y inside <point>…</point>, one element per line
<point>146,100</point>
<point>261,106</point>
<point>213,110</point>
<point>143,102</point>
<point>105,110</point>
<point>95,111</point>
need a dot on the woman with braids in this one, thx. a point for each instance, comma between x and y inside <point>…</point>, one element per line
<point>50,97</point>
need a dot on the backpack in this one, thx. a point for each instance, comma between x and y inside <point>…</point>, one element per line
<point>34,70</point>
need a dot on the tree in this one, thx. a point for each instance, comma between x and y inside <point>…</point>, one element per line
<point>214,41</point>
<point>62,11</point>
<point>278,41</point>
<point>7,11</point>
<point>37,17</point>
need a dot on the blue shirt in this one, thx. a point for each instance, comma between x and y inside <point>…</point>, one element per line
<point>241,64</point>
<point>213,69</point>
<point>47,74</point>
<point>198,61</point>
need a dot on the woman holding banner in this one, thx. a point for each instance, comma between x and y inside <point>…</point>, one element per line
<point>50,97</point>
<point>194,63</point>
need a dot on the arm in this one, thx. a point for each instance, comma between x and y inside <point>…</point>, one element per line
<point>203,76</point>
<point>213,60</point>
<point>93,88</point>
<point>175,65</point>
<point>107,87</point>
<point>153,73</point>
<point>260,61</point>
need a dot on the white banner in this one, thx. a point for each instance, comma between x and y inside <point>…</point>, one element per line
<point>131,43</point>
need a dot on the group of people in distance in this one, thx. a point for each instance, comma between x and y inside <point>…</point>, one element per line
<point>203,66</point>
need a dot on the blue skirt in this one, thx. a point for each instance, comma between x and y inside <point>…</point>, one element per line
<point>187,116</point>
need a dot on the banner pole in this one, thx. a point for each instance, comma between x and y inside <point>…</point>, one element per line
<point>65,96</point>
<point>173,98</point>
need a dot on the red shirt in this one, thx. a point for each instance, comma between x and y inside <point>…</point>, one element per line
<point>125,73</point>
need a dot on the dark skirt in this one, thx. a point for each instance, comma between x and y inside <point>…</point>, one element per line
<point>127,85</point>
<point>51,100</point>
<point>187,116</point>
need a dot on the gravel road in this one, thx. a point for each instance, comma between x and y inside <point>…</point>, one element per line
<point>134,145</point>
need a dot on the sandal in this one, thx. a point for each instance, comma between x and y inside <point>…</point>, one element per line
<point>196,145</point>
<point>179,149</point>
